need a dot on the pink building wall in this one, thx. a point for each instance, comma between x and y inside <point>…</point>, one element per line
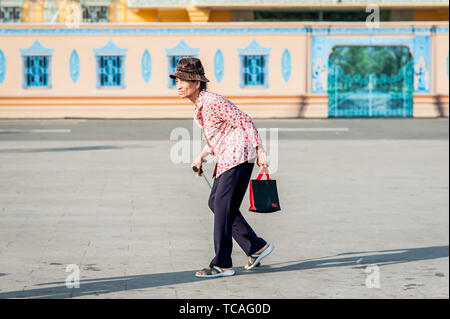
<point>292,98</point>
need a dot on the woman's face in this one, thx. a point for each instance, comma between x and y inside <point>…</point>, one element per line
<point>187,88</point>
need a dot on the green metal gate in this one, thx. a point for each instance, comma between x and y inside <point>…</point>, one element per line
<point>370,95</point>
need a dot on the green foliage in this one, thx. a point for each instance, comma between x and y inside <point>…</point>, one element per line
<point>364,60</point>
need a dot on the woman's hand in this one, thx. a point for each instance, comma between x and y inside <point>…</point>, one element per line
<point>198,162</point>
<point>262,159</point>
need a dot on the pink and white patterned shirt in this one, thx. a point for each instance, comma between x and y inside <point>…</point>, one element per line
<point>230,134</point>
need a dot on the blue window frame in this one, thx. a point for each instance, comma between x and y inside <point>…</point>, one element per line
<point>36,71</point>
<point>110,70</point>
<point>254,70</point>
<point>2,66</point>
<point>110,66</point>
<point>36,66</point>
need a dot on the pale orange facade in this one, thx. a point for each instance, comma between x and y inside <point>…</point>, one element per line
<point>146,94</point>
<point>144,39</point>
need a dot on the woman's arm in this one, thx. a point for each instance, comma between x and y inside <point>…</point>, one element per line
<point>228,112</point>
<point>205,152</point>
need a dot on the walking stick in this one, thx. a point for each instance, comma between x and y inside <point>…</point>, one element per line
<point>195,169</point>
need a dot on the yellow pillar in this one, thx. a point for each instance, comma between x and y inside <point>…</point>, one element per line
<point>33,11</point>
<point>198,14</point>
<point>70,12</point>
<point>111,12</point>
<point>122,8</point>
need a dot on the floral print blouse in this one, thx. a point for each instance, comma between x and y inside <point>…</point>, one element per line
<point>230,134</point>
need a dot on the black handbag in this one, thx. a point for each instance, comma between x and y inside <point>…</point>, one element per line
<point>264,194</point>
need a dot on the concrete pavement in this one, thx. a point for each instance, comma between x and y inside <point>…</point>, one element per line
<point>138,225</point>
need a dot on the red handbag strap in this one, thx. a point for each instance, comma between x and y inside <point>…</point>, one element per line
<point>261,173</point>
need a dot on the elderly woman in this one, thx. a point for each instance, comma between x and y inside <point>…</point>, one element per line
<point>232,138</point>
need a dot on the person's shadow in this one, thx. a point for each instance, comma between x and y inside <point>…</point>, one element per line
<point>121,283</point>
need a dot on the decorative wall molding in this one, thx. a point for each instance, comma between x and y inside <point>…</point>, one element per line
<point>422,65</point>
<point>146,66</point>
<point>218,65</point>
<point>35,49</point>
<point>74,66</point>
<point>221,30</point>
<point>110,48</point>
<point>2,67</point>
<point>286,65</point>
<point>182,49</point>
<point>254,48</point>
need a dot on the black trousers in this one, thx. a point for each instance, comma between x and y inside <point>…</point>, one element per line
<point>225,200</point>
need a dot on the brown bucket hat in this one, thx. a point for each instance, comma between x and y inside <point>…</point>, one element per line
<point>189,69</point>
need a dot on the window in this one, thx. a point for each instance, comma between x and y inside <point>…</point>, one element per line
<point>110,71</point>
<point>10,14</point>
<point>110,66</point>
<point>254,70</point>
<point>95,14</point>
<point>36,66</point>
<point>36,71</point>
<point>253,67</point>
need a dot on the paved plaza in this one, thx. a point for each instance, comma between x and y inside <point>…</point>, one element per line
<point>364,211</point>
